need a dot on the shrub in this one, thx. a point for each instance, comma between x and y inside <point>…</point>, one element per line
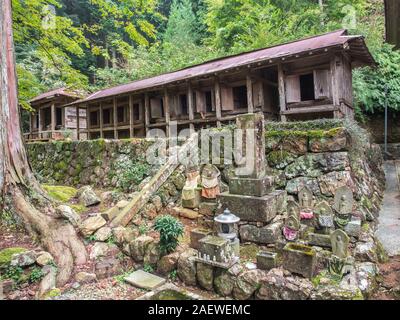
<point>170,230</point>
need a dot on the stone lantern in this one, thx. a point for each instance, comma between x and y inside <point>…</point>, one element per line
<point>227,226</point>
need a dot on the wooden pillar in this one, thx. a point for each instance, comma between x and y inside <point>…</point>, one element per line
<point>77,123</point>
<point>115,116</point>
<point>53,119</point>
<point>130,116</point>
<point>218,106</point>
<point>30,124</point>
<point>166,112</point>
<point>190,106</point>
<point>87,121</point>
<point>335,86</point>
<point>101,120</point>
<point>282,93</point>
<point>146,112</point>
<point>250,101</point>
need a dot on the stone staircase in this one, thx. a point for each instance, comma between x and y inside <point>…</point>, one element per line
<point>166,170</point>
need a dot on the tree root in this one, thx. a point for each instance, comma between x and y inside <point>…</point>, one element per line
<point>57,236</point>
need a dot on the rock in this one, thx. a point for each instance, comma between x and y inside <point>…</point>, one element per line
<point>6,286</point>
<point>205,276</point>
<point>336,142</point>
<point>247,283</point>
<point>149,211</point>
<point>187,267</point>
<point>144,280</point>
<point>48,282</point>
<point>186,213</point>
<point>138,247</point>
<point>23,259</point>
<point>69,214</point>
<point>7,254</point>
<point>111,213</point>
<point>266,260</point>
<point>294,185</point>
<point>102,249</point>
<point>103,234</point>
<point>264,235</point>
<point>196,235</point>
<point>168,263</point>
<point>44,259</point>
<point>365,252</point>
<point>152,254</point>
<point>91,225</point>
<point>122,204</point>
<point>342,291</point>
<point>331,181</point>
<point>353,228</point>
<point>87,196</point>
<point>85,277</point>
<point>275,286</point>
<point>224,280</point>
<point>122,234</point>
<point>157,201</point>
<point>108,267</point>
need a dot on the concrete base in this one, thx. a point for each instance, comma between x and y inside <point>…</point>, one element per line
<point>251,186</point>
<point>255,209</point>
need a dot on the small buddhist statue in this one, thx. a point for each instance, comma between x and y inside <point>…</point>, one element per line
<point>210,181</point>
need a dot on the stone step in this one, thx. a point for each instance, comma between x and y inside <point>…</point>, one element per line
<point>126,215</point>
<point>254,209</point>
<point>144,280</point>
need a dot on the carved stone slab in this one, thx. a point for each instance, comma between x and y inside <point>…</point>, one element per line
<point>305,198</point>
<point>340,242</point>
<point>324,214</point>
<point>343,201</point>
<point>293,209</point>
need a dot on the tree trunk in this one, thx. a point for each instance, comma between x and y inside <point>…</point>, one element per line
<point>20,192</point>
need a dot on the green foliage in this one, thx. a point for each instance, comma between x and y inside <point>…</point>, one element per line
<point>12,273</point>
<point>148,268</point>
<point>173,275</point>
<point>131,172</point>
<point>370,84</point>
<point>143,229</point>
<point>170,230</point>
<point>36,275</point>
<point>91,238</point>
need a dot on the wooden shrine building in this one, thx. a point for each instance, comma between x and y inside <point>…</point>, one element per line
<point>305,79</point>
<point>51,119</point>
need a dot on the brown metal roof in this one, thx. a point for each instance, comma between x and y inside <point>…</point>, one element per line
<point>55,93</point>
<point>333,39</point>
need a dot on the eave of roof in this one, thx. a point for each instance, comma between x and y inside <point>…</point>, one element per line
<point>320,42</point>
<point>54,94</point>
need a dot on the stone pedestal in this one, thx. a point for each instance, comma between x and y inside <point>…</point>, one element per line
<point>208,208</point>
<point>299,259</point>
<point>258,187</point>
<point>319,240</point>
<point>266,260</point>
<point>196,235</point>
<point>251,208</point>
<point>193,203</point>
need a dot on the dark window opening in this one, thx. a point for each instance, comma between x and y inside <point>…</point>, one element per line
<point>47,117</point>
<point>307,87</point>
<point>162,108</point>
<point>240,97</point>
<point>136,112</point>
<point>108,134</point>
<point>59,113</point>
<point>123,134</point>
<point>37,121</point>
<point>184,104</point>
<point>94,118</point>
<point>208,101</point>
<point>121,114</point>
<point>107,116</point>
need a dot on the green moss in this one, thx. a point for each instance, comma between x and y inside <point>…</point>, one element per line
<point>248,252</point>
<point>276,157</point>
<point>6,255</point>
<point>60,193</point>
<point>312,134</point>
<point>381,252</point>
<point>300,247</point>
<point>52,293</point>
<point>78,208</point>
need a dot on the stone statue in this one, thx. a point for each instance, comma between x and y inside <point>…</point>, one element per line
<point>340,242</point>
<point>291,228</point>
<point>305,198</point>
<point>210,181</point>
<point>324,214</point>
<point>343,201</point>
<point>293,209</point>
<point>190,197</point>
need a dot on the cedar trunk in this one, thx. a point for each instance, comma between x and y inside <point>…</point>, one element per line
<point>18,185</point>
